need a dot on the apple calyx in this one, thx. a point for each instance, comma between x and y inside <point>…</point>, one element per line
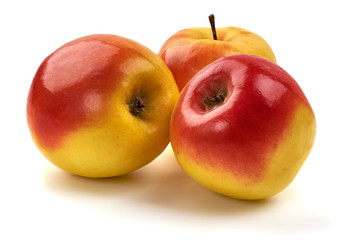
<point>212,24</point>
<point>136,106</point>
<point>216,100</point>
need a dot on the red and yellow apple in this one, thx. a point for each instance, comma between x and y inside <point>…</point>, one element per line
<point>190,50</point>
<point>100,106</point>
<point>242,127</point>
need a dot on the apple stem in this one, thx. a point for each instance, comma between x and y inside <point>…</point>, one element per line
<point>212,23</point>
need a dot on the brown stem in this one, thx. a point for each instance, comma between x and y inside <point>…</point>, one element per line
<point>212,23</point>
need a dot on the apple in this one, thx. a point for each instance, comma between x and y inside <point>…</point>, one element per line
<point>100,106</point>
<point>189,50</point>
<point>242,127</point>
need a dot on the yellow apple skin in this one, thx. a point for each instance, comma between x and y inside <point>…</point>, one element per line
<point>189,50</point>
<point>83,107</point>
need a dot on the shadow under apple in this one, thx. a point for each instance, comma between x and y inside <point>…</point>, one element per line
<point>161,184</point>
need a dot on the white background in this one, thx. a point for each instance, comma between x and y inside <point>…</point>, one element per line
<point>317,42</point>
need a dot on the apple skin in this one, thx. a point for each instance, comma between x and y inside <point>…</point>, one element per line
<point>190,50</point>
<point>252,145</point>
<point>80,107</point>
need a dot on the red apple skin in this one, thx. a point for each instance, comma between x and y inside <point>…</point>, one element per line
<point>189,50</point>
<point>253,144</point>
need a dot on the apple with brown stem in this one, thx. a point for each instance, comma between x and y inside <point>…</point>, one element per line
<point>189,50</point>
